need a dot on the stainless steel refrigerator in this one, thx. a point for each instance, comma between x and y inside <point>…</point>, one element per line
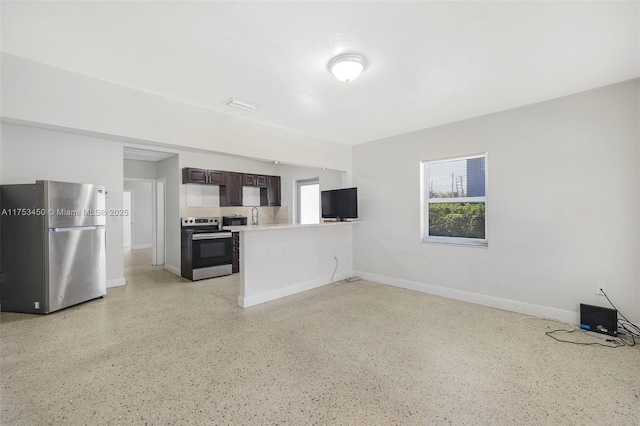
<point>53,251</point>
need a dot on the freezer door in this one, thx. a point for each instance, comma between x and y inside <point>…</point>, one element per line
<point>76,265</point>
<point>73,204</point>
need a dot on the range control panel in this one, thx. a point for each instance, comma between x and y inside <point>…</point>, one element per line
<point>199,221</point>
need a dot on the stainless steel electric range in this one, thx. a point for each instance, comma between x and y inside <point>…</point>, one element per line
<point>206,250</point>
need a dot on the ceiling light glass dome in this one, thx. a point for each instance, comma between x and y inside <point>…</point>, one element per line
<point>347,67</point>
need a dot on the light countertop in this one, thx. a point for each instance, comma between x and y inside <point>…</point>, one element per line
<point>284,226</point>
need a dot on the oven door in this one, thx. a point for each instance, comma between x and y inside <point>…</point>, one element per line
<point>211,249</point>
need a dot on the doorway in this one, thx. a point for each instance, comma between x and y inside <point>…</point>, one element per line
<point>145,177</point>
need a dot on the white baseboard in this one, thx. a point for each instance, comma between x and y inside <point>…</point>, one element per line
<point>172,269</point>
<point>480,299</point>
<point>267,296</point>
<point>140,246</point>
<point>118,282</point>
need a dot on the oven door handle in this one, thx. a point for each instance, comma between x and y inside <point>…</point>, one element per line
<point>215,236</point>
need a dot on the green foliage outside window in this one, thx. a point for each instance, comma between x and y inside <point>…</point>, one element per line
<point>462,220</point>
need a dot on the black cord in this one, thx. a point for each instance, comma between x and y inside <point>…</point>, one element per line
<point>617,345</point>
<point>636,331</point>
<point>625,330</point>
<point>633,340</point>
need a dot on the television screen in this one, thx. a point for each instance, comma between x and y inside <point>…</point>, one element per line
<point>340,204</point>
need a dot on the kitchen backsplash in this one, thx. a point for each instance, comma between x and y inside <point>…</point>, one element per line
<point>266,215</point>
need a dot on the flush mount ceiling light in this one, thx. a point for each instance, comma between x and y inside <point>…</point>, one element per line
<point>240,104</point>
<point>347,67</point>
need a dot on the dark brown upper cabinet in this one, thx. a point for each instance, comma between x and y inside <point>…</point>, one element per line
<point>190,175</point>
<point>231,184</point>
<point>254,180</point>
<point>248,180</point>
<point>202,176</point>
<point>231,192</point>
<point>217,177</point>
<point>270,196</point>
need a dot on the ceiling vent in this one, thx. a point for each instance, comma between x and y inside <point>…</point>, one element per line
<point>240,104</point>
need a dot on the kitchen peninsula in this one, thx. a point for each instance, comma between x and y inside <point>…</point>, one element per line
<point>280,260</point>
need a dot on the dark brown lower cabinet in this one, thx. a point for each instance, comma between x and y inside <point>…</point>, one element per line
<point>235,266</point>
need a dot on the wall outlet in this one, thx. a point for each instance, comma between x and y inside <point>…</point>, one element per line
<point>600,287</point>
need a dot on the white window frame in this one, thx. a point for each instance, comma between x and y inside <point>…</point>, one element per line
<point>299,184</point>
<point>425,200</point>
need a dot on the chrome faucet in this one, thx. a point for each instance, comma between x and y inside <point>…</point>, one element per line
<point>254,216</point>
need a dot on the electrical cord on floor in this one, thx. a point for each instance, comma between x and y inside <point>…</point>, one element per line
<point>550,332</point>
<point>629,328</point>
<point>625,328</point>
<point>334,270</point>
<point>633,338</point>
<point>616,343</point>
<point>571,327</point>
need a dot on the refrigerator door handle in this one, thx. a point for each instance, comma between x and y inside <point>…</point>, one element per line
<point>77,228</point>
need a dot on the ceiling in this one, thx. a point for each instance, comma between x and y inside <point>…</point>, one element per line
<point>429,63</point>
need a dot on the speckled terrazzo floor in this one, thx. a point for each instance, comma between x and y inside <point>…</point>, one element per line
<point>163,350</point>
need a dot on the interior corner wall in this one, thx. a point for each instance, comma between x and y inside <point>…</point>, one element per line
<point>169,169</point>
<point>29,154</point>
<point>563,207</point>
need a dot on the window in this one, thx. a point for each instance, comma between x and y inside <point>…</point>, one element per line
<point>308,201</point>
<point>454,200</point>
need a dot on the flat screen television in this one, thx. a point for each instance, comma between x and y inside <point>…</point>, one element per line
<point>340,204</point>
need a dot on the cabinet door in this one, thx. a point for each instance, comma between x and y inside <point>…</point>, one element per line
<point>248,180</point>
<point>261,181</point>
<point>235,265</point>
<point>273,190</point>
<point>217,177</point>
<point>231,192</point>
<point>190,175</point>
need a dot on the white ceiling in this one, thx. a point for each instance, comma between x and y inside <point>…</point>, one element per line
<point>430,63</point>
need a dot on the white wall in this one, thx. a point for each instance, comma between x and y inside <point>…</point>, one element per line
<point>278,262</point>
<point>142,215</point>
<point>563,206</point>
<point>39,93</point>
<point>30,154</point>
<point>138,169</point>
